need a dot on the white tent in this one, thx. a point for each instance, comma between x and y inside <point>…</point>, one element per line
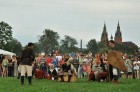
<point>6,52</point>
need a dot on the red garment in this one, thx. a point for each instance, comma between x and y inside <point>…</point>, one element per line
<point>102,75</point>
<point>91,76</point>
<point>39,74</point>
<point>61,62</point>
<point>48,60</point>
<point>84,68</point>
<point>48,77</point>
<point>88,69</point>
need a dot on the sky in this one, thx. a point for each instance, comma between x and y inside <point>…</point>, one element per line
<point>80,19</point>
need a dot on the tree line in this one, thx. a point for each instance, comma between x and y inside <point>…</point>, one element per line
<point>50,40</point>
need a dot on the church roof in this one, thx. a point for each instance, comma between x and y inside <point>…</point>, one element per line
<point>129,43</point>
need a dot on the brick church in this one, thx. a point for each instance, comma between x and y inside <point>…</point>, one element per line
<point>117,38</point>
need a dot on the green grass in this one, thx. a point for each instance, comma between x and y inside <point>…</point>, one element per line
<point>82,85</point>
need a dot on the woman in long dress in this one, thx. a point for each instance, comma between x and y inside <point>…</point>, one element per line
<point>14,60</point>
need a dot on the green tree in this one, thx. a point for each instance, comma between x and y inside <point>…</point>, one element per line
<point>5,34</point>
<point>68,45</point>
<point>37,48</point>
<point>102,48</point>
<point>13,46</point>
<point>92,46</point>
<point>49,40</point>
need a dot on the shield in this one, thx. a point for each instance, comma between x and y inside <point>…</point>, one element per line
<point>115,59</point>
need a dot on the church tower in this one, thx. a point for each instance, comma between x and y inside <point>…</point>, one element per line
<point>118,35</point>
<point>104,36</point>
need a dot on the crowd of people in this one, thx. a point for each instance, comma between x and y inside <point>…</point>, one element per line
<point>56,66</point>
<point>8,66</point>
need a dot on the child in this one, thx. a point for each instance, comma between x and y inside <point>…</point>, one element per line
<point>53,72</point>
<point>136,68</point>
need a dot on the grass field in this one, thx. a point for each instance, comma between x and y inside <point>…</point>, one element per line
<point>82,85</point>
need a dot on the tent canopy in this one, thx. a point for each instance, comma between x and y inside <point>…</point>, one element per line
<point>6,52</point>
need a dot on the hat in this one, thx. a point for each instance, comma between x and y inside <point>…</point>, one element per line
<point>30,44</point>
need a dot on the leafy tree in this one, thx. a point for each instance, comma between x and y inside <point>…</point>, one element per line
<point>49,40</point>
<point>68,45</point>
<point>5,34</point>
<point>102,48</point>
<point>37,48</point>
<point>13,46</point>
<point>92,46</point>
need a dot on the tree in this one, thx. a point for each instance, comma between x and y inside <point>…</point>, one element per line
<point>37,48</point>
<point>5,34</point>
<point>13,46</point>
<point>68,45</point>
<point>92,46</point>
<point>102,48</point>
<point>49,40</point>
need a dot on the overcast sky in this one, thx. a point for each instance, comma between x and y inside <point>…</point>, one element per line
<point>80,19</point>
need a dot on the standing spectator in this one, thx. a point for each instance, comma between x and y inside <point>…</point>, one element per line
<point>10,68</point>
<point>5,66</point>
<point>72,55</point>
<point>88,68</point>
<point>61,62</point>
<point>57,52</point>
<point>43,65</point>
<point>52,53</point>
<point>80,70</point>
<point>1,59</point>
<point>55,62</point>
<point>48,62</point>
<point>136,67</point>
<point>27,57</point>
<point>84,66</point>
<point>19,66</point>
<point>14,60</point>
<point>128,64</point>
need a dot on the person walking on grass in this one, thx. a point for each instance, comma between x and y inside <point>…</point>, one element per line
<point>114,72</point>
<point>27,58</point>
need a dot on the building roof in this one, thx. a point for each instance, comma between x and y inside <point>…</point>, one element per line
<point>129,43</point>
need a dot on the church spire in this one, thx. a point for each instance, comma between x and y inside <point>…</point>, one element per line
<point>118,25</point>
<point>104,36</point>
<point>118,34</point>
<point>104,29</point>
<point>118,28</point>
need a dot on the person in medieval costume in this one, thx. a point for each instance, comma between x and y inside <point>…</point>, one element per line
<point>66,68</point>
<point>114,65</point>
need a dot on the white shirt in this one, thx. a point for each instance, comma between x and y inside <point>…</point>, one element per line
<point>136,66</point>
<point>59,58</point>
